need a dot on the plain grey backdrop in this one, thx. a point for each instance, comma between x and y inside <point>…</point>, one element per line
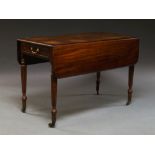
<point>80,111</point>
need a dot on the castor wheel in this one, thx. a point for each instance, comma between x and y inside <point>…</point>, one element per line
<point>51,125</point>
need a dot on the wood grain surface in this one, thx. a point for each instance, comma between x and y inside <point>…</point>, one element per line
<point>81,58</point>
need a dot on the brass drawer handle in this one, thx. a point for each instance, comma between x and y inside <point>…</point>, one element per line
<point>34,52</point>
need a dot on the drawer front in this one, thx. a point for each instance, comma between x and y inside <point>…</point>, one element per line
<point>76,59</point>
<point>35,50</point>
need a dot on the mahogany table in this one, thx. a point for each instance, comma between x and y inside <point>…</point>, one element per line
<point>77,54</point>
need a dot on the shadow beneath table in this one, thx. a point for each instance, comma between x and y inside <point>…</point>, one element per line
<point>73,101</point>
<point>79,103</point>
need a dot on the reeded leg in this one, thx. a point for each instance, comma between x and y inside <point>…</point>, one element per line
<point>54,100</point>
<point>98,83</point>
<point>130,83</point>
<point>23,81</point>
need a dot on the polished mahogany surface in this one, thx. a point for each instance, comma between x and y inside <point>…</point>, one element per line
<point>82,53</point>
<point>77,54</point>
<point>75,38</point>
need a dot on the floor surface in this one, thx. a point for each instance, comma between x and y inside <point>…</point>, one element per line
<point>80,110</point>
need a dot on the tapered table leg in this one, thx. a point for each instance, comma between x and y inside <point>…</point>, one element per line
<point>130,83</point>
<point>54,100</point>
<point>23,82</point>
<point>98,83</point>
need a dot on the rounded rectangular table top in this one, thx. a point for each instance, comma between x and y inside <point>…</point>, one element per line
<point>76,38</point>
